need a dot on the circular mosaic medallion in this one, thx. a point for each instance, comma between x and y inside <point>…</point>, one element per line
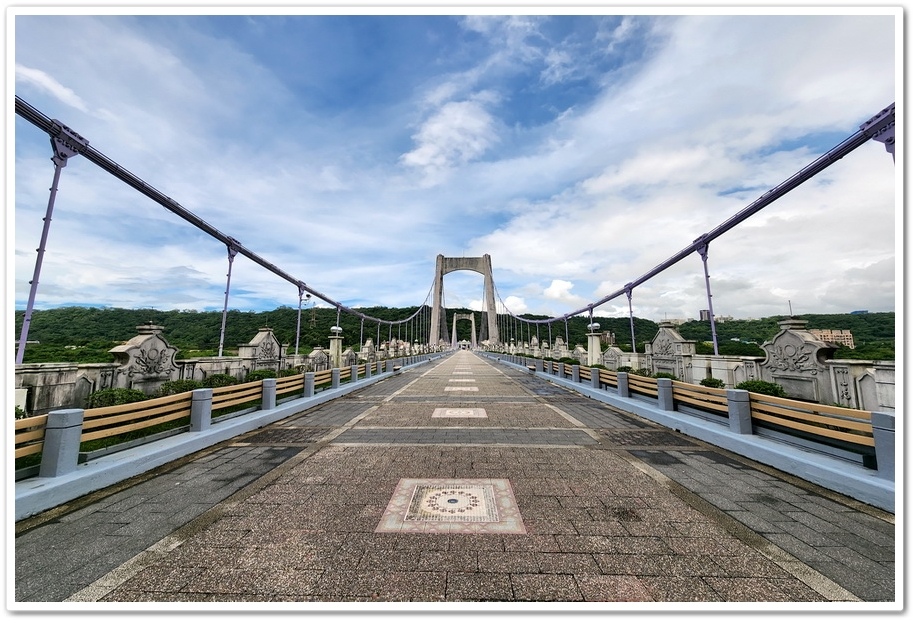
<point>451,501</point>
<point>459,502</point>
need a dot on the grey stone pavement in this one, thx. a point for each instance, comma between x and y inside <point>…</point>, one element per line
<point>612,508</point>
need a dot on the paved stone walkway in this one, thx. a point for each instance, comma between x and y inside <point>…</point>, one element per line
<point>613,508</point>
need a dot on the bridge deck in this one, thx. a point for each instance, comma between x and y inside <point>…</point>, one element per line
<point>459,481</point>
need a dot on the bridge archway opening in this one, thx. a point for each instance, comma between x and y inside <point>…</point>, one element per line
<point>489,329</point>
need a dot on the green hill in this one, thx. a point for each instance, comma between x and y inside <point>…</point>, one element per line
<point>85,334</point>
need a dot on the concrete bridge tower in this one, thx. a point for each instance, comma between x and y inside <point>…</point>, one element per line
<point>445,265</point>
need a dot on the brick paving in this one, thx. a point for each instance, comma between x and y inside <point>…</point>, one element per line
<point>615,509</point>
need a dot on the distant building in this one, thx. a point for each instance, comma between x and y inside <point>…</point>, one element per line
<point>838,336</point>
<point>704,316</point>
<point>860,311</point>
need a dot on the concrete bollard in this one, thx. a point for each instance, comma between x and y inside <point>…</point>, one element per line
<point>665,394</point>
<point>201,409</point>
<point>368,369</point>
<point>389,365</point>
<point>883,427</point>
<point>623,385</point>
<point>309,385</point>
<point>354,374</point>
<point>335,378</point>
<point>739,411</point>
<point>268,394</point>
<point>575,374</point>
<point>60,452</point>
<point>596,378</point>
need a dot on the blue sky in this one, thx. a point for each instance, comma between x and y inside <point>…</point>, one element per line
<point>579,151</point>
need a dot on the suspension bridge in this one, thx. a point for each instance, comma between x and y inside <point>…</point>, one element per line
<point>458,475</point>
<point>426,323</point>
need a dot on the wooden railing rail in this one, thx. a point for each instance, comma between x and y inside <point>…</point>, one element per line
<point>233,395</point>
<point>104,422</point>
<point>643,385</point>
<point>838,423</point>
<point>707,398</point>
<point>29,435</point>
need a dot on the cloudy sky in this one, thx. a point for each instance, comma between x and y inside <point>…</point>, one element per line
<point>578,151</point>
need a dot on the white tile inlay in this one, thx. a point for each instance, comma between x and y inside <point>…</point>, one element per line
<point>462,380</point>
<point>461,388</point>
<point>433,505</point>
<point>445,412</point>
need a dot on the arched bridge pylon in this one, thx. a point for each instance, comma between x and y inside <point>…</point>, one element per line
<point>455,319</point>
<point>445,265</point>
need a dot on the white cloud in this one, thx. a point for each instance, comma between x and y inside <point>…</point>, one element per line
<point>45,82</point>
<point>610,188</point>
<point>560,290</point>
<point>456,134</point>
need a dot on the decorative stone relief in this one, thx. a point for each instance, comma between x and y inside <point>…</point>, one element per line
<point>147,356</point>
<point>797,361</point>
<point>367,353</point>
<point>319,359</point>
<point>669,352</point>
<point>265,349</point>
<point>795,350</point>
<point>844,390</point>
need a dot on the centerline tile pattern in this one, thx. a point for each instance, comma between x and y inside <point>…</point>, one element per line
<point>321,507</point>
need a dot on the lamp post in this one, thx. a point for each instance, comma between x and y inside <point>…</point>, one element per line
<point>336,340</point>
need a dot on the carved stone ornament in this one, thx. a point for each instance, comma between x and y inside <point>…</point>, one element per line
<point>267,350</point>
<point>263,347</point>
<point>668,343</point>
<point>146,356</point>
<point>795,350</point>
<point>663,346</point>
